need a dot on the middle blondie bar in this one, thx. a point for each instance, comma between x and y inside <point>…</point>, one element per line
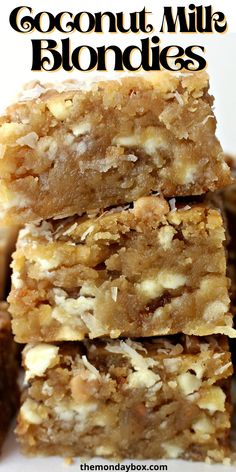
<point>144,270</point>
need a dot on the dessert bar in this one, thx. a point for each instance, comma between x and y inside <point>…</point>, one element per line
<point>142,270</point>
<point>75,148</point>
<point>167,397</point>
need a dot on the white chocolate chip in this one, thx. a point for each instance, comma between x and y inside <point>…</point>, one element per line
<point>115,333</point>
<point>47,264</point>
<point>30,412</point>
<point>104,451</point>
<point>150,140</point>
<point>73,309</point>
<point>151,145</point>
<point>189,174</point>
<point>199,369</point>
<point>77,411</point>
<point>215,310</point>
<point>142,378</point>
<point>67,333</point>
<point>16,280</point>
<point>188,383</point>
<point>213,400</point>
<point>126,141</point>
<point>39,358</point>
<point>172,450</point>
<point>171,280</point>
<point>150,288</point>
<point>59,108</point>
<point>165,236</point>
<point>172,364</point>
<point>150,207</point>
<point>203,425</point>
<point>82,128</point>
<point>153,288</point>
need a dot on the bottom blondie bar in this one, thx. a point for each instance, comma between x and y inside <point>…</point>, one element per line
<point>166,397</point>
<point>9,391</point>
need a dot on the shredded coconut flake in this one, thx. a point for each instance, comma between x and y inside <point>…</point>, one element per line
<point>32,93</point>
<point>179,99</point>
<point>172,204</point>
<point>138,362</point>
<point>90,367</point>
<point>131,157</point>
<point>70,230</point>
<point>2,150</point>
<point>29,140</point>
<point>94,326</point>
<point>222,369</point>
<point>114,293</point>
<point>118,209</point>
<point>88,231</point>
<point>217,355</point>
<point>136,345</point>
<point>207,118</point>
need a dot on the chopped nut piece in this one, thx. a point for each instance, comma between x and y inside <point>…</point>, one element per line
<point>147,208</point>
<point>39,358</point>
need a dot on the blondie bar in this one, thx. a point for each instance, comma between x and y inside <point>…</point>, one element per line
<point>67,151</point>
<point>9,391</point>
<point>167,397</point>
<point>142,271</point>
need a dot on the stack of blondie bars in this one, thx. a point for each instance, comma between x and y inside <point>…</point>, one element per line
<point>119,286</point>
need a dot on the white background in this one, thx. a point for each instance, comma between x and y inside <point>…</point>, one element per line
<point>15,54</point>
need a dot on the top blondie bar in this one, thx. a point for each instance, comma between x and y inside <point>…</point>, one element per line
<point>75,148</point>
